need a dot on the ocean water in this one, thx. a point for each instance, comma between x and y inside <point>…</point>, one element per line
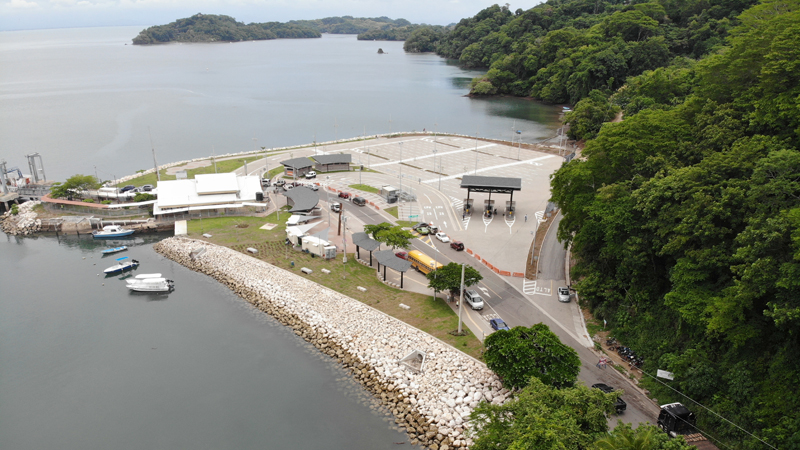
<point>87,100</point>
<point>85,364</point>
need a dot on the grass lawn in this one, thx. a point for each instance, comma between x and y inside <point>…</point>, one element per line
<point>273,172</point>
<point>392,211</point>
<point>365,188</point>
<point>222,167</point>
<point>432,316</point>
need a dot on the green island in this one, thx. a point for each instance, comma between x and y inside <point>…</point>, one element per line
<point>220,28</point>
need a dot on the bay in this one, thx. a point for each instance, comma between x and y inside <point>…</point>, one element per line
<point>85,364</point>
<point>86,99</point>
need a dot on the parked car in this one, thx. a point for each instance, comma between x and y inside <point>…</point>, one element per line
<point>359,201</point>
<point>457,245</point>
<point>620,404</point>
<point>147,187</point>
<point>313,187</point>
<point>434,229</point>
<point>288,186</point>
<point>442,236</point>
<point>473,299</point>
<point>280,182</point>
<point>310,175</point>
<point>336,206</point>
<point>127,188</point>
<point>344,195</point>
<point>498,324</point>
<point>401,255</point>
<point>563,294</point>
<point>265,182</point>
<point>423,231</point>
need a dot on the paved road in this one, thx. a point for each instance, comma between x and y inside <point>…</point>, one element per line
<point>519,302</point>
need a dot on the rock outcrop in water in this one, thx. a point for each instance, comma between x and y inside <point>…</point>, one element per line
<point>432,406</point>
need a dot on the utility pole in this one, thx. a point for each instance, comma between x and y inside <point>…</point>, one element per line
<point>344,241</point>
<point>461,301</point>
<point>339,228</point>
<point>158,175</point>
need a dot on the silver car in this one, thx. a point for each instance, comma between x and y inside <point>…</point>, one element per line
<point>563,294</point>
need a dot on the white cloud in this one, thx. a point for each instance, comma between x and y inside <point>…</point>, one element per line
<point>22,4</point>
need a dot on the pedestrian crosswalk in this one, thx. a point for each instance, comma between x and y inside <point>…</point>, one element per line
<point>528,287</point>
<point>490,316</point>
<point>465,222</point>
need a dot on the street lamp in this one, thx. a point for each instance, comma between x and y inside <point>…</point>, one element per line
<point>344,239</point>
<point>401,165</point>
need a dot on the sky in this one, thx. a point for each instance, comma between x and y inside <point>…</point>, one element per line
<point>37,14</point>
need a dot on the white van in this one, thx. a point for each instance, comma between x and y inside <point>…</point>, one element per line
<point>473,299</point>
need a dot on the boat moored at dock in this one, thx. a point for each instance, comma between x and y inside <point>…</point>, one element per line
<point>112,231</point>
<point>150,284</point>
<point>109,251</point>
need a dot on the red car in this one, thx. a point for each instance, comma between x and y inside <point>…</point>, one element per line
<point>401,255</point>
<point>457,245</point>
<point>344,194</point>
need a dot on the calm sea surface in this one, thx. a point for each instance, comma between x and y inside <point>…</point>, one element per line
<point>90,366</point>
<point>83,98</point>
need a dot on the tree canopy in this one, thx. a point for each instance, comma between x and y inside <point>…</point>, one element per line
<point>518,354</point>
<point>74,186</point>
<point>542,417</point>
<point>685,222</point>
<point>392,235</point>
<point>448,278</point>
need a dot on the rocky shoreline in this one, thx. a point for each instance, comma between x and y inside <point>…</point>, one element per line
<point>24,223</point>
<point>433,406</point>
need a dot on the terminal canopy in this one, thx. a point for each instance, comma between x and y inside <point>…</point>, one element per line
<point>501,185</point>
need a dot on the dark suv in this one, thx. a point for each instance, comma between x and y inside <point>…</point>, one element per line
<point>620,404</point>
<point>127,188</point>
<point>359,201</point>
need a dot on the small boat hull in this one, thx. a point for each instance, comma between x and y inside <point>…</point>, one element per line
<point>122,267</point>
<point>111,231</point>
<point>150,285</point>
<point>114,250</point>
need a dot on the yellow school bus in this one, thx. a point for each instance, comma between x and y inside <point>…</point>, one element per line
<point>422,262</point>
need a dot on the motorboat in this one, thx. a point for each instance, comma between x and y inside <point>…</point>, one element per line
<point>112,231</point>
<point>122,265</point>
<point>109,251</point>
<point>150,283</point>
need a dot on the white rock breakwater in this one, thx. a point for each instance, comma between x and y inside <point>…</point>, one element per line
<point>25,222</point>
<point>432,406</point>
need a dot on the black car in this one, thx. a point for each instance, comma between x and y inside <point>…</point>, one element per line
<point>620,404</point>
<point>127,188</point>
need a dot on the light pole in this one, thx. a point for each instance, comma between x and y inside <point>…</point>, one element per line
<point>344,239</point>
<point>519,142</point>
<point>401,166</point>
<point>461,300</point>
<point>476,152</point>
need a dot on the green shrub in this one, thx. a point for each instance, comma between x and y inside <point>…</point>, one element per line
<point>88,200</point>
<point>14,210</point>
<point>106,202</point>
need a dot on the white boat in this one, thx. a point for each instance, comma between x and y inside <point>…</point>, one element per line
<point>153,284</point>
<point>111,231</point>
<point>143,276</point>
<point>122,265</point>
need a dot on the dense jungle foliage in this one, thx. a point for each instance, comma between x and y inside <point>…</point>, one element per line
<point>216,28</point>
<point>685,221</point>
<point>352,25</point>
<point>561,50</point>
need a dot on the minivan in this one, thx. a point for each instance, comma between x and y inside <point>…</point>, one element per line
<point>473,299</point>
<point>359,201</point>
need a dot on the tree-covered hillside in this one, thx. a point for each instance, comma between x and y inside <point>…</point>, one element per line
<point>352,25</point>
<point>561,50</point>
<point>685,221</point>
<point>216,28</point>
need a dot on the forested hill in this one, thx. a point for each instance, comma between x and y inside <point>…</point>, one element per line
<point>217,28</point>
<point>561,50</point>
<point>351,25</point>
<point>685,220</point>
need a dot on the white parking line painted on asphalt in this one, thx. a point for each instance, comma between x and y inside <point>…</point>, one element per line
<point>486,222</point>
<point>510,223</point>
<point>439,154</point>
<point>491,168</point>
